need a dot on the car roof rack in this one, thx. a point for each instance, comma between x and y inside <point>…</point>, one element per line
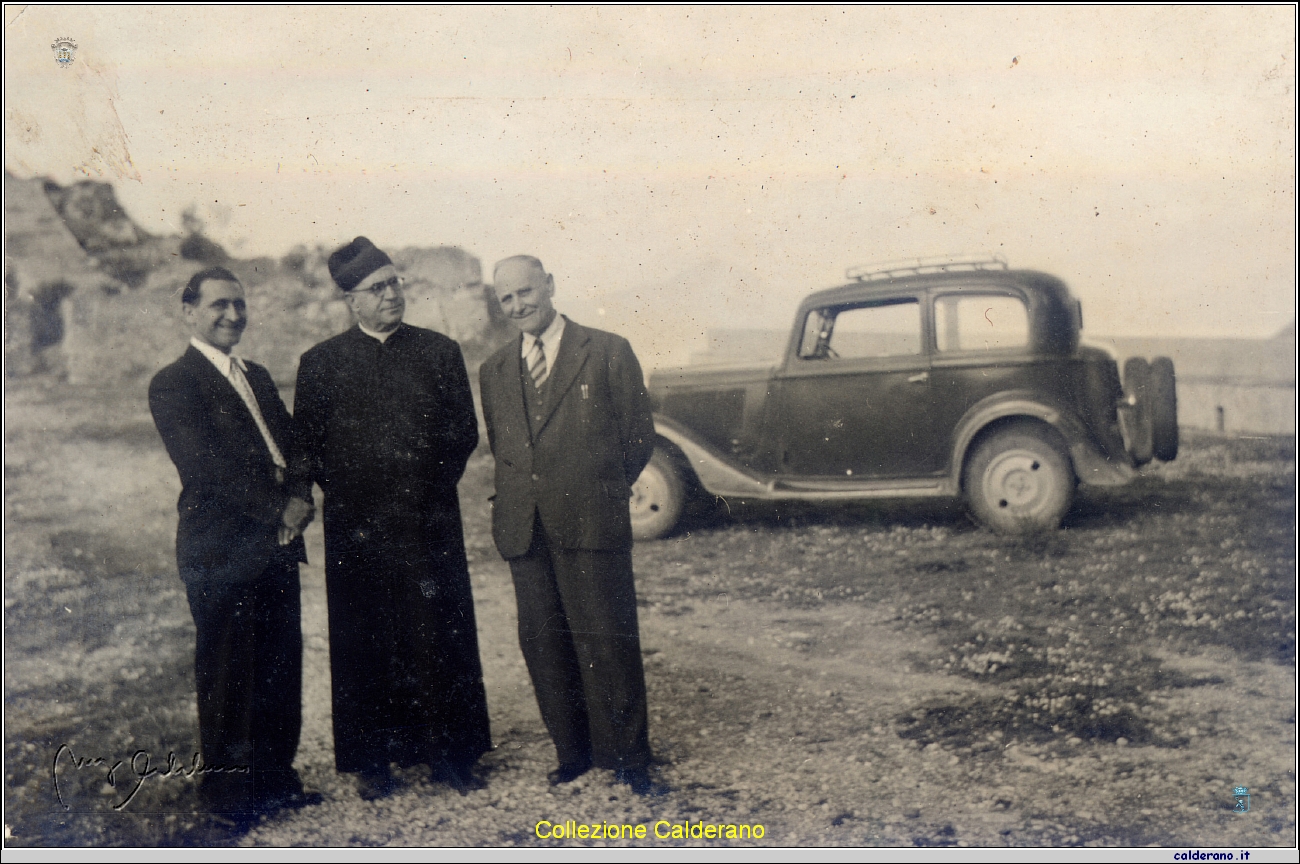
<point>924,266</point>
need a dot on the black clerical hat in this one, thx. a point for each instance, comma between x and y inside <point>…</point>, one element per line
<point>351,263</point>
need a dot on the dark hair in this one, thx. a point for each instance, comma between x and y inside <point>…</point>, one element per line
<point>190,296</point>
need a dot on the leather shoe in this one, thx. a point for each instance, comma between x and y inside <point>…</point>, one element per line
<point>372,786</point>
<point>567,773</point>
<point>638,780</point>
<point>230,824</point>
<point>460,777</point>
<point>295,800</point>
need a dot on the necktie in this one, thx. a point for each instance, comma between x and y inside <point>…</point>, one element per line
<point>537,364</point>
<point>241,385</point>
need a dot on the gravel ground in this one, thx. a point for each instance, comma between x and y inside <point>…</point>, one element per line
<point>865,675</point>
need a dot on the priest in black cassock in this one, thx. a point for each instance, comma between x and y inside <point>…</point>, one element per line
<point>386,424</point>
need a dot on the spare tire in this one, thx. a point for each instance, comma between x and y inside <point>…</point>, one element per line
<point>1164,410</point>
<point>1137,390</point>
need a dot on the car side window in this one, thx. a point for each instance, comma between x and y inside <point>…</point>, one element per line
<point>857,332</point>
<point>980,322</point>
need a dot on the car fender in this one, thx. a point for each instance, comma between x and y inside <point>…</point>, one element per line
<point>715,472</point>
<point>1091,465</point>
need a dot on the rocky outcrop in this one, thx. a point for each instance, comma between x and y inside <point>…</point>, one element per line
<point>44,266</point>
<point>96,299</point>
<point>91,212</point>
<point>445,292</point>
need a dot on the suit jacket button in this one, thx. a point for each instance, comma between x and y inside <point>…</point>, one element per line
<point>536,478</point>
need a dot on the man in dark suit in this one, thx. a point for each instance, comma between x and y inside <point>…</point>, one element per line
<point>238,545</point>
<point>386,424</point>
<point>568,419</point>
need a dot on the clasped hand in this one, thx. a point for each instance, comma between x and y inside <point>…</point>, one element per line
<point>297,513</point>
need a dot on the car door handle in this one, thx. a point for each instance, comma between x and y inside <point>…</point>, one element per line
<point>918,378</point>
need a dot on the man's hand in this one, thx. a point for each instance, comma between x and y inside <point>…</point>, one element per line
<point>297,513</point>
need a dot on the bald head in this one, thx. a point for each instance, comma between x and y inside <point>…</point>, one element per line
<point>518,262</point>
<point>525,289</point>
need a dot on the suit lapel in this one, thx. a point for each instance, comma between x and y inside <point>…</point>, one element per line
<point>220,393</point>
<point>514,414</point>
<point>573,355</point>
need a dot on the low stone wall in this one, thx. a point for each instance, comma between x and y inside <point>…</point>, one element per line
<point>1237,407</point>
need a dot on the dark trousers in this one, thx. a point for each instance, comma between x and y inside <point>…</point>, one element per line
<point>248,674</point>
<point>578,631</point>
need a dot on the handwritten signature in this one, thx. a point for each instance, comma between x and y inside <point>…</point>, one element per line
<point>139,768</point>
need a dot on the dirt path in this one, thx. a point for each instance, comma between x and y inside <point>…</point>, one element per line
<point>790,719</point>
<point>743,737</point>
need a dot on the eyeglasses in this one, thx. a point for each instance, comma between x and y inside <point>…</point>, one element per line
<point>381,288</point>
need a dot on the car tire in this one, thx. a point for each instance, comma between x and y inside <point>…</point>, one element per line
<point>1019,480</point>
<point>658,497</point>
<point>1164,410</point>
<point>1137,390</point>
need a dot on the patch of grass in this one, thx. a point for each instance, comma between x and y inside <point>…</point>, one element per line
<point>98,636</point>
<point>1184,558</point>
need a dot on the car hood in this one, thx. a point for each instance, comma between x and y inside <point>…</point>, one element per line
<point>709,376</point>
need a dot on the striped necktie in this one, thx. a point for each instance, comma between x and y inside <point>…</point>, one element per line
<point>245,391</point>
<point>537,364</point>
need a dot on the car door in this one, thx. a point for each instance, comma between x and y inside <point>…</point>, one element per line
<point>982,348</point>
<point>854,400</point>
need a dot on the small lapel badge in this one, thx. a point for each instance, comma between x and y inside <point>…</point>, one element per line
<point>1242,795</point>
<point>585,394</point>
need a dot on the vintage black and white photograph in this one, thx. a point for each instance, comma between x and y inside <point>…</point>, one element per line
<point>709,426</point>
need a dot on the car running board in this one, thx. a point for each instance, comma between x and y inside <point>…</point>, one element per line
<point>720,476</point>
<point>823,489</point>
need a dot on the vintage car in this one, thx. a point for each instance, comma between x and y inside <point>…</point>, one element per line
<point>953,378</point>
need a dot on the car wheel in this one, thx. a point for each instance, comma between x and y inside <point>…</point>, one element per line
<point>1137,389</point>
<point>658,496</point>
<point>1019,481</point>
<point>1164,410</point>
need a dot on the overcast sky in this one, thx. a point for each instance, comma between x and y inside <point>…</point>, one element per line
<point>682,168</point>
